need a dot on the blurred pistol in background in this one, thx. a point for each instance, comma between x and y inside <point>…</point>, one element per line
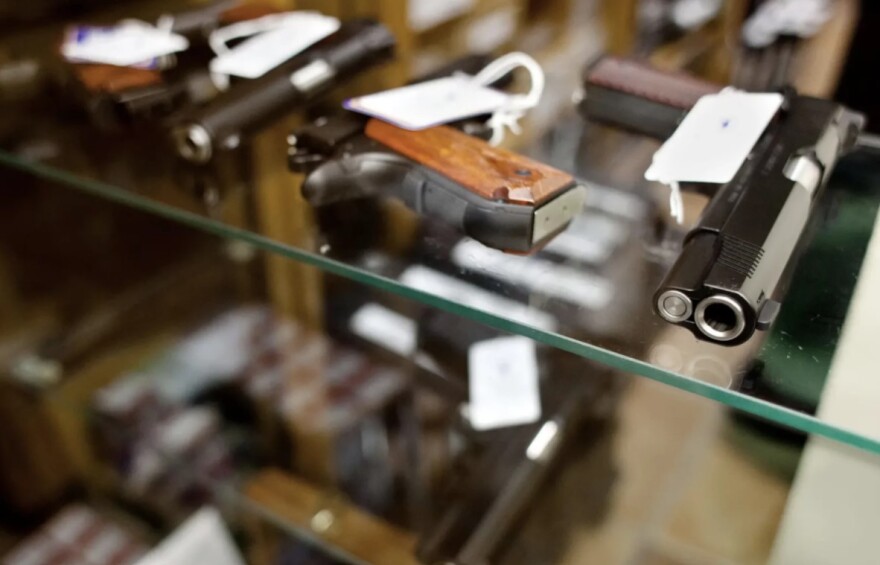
<point>117,95</point>
<point>736,262</point>
<point>248,106</point>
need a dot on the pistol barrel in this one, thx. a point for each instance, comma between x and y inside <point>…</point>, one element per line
<point>247,107</point>
<point>735,265</point>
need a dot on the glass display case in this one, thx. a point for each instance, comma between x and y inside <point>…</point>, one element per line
<point>588,292</point>
<point>160,371</point>
<point>181,335</point>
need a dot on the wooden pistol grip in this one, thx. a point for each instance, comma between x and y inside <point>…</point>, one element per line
<point>490,172</point>
<point>111,79</point>
<point>628,76</point>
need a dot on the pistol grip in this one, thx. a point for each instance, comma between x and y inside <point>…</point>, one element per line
<point>496,224</point>
<point>489,173</point>
<point>634,96</point>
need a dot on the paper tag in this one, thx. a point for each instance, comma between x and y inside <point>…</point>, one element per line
<point>503,377</point>
<point>124,45</point>
<point>203,538</point>
<point>430,103</point>
<point>715,138</point>
<point>260,54</point>
<point>386,328</point>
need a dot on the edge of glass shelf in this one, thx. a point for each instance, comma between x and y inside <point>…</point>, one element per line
<point>760,408</point>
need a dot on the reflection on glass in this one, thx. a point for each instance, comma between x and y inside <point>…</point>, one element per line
<point>184,380</point>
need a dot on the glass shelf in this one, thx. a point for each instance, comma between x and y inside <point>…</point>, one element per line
<point>174,378</point>
<point>586,293</point>
<point>174,337</point>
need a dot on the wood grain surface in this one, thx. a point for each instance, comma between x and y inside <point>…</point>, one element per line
<point>366,537</point>
<point>490,172</point>
<point>110,78</point>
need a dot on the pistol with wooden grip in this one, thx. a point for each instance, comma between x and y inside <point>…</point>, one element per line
<point>115,96</point>
<point>495,196</point>
<point>119,95</point>
<point>737,261</point>
<point>356,47</point>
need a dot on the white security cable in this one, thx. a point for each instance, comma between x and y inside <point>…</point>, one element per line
<point>517,105</point>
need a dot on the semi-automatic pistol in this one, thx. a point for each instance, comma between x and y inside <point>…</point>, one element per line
<point>246,107</point>
<point>493,195</point>
<point>736,264</point>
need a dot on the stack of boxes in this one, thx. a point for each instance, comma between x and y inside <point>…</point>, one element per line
<point>293,399</point>
<point>79,535</point>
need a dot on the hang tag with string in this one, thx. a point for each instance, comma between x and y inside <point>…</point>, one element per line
<point>272,40</point>
<point>130,43</point>
<point>713,141</point>
<point>449,99</point>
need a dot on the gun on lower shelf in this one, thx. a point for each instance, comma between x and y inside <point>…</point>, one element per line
<point>492,493</point>
<point>224,123</point>
<point>736,263</point>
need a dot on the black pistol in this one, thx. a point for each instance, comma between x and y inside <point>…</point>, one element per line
<point>736,263</point>
<point>248,106</point>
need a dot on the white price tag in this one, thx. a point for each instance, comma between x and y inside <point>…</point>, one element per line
<point>203,538</point>
<point>430,103</point>
<point>296,32</point>
<point>715,138</point>
<point>503,377</point>
<point>123,45</point>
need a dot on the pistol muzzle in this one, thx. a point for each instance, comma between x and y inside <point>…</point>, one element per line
<point>720,318</point>
<point>193,143</point>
